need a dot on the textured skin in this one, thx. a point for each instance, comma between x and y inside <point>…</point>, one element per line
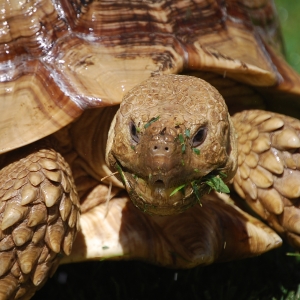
<point>157,161</point>
<point>268,175</point>
<point>39,219</point>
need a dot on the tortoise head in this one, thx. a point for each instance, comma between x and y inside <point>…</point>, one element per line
<point>171,139</point>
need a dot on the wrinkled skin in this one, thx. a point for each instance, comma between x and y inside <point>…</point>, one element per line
<point>171,132</point>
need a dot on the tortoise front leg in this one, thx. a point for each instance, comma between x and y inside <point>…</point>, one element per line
<point>39,213</point>
<point>268,174</point>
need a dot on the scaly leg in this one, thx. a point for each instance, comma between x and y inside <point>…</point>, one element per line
<point>39,213</point>
<point>268,175</point>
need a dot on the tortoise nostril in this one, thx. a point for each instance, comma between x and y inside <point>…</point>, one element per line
<point>157,148</point>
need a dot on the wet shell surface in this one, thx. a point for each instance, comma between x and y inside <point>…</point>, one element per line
<point>59,58</point>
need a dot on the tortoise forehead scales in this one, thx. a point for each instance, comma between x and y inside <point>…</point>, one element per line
<point>188,99</point>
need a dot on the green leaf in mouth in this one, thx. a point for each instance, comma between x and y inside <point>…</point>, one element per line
<point>187,133</point>
<point>217,184</point>
<point>119,169</point>
<point>181,140</point>
<point>196,151</point>
<point>151,121</point>
<point>222,175</point>
<point>178,189</point>
<point>183,148</point>
<point>196,191</point>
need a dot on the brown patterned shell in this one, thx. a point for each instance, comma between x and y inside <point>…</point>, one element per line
<point>59,58</point>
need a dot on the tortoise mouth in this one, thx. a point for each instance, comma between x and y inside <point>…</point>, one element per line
<point>155,196</point>
<point>158,199</point>
<point>159,184</point>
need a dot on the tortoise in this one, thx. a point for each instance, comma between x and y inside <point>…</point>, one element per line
<point>84,178</point>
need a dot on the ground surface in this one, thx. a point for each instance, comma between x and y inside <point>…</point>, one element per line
<point>272,276</point>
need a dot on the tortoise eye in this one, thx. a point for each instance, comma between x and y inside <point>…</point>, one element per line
<point>134,132</point>
<point>199,137</point>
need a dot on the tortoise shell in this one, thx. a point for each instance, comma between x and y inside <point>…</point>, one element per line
<point>59,59</point>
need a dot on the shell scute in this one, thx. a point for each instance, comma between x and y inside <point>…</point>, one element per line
<point>76,55</point>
